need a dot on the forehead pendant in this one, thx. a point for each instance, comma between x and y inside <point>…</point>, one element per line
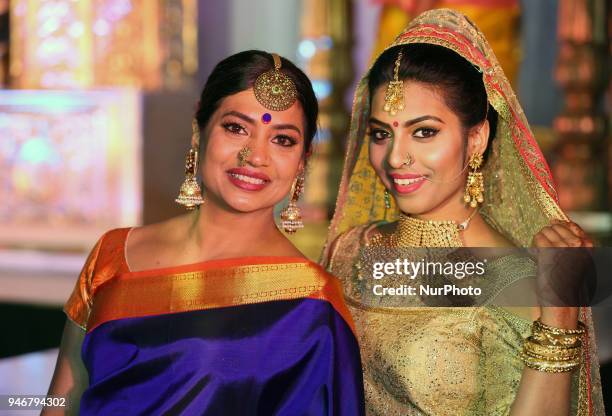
<point>274,89</point>
<point>394,95</point>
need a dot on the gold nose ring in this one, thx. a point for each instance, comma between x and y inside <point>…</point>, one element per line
<point>409,160</point>
<point>243,156</point>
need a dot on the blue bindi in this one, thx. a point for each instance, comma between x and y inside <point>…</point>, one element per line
<point>266,118</point>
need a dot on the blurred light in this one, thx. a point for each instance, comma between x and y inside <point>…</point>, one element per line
<point>76,29</point>
<point>118,9</point>
<point>321,88</point>
<point>48,27</point>
<point>51,47</point>
<point>101,27</point>
<point>21,180</point>
<point>325,42</point>
<point>37,150</point>
<point>51,102</point>
<point>323,135</point>
<point>307,48</point>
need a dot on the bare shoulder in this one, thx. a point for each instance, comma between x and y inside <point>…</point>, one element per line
<point>154,241</point>
<point>159,231</point>
<point>288,249</point>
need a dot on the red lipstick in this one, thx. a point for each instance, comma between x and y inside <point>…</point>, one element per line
<point>406,183</point>
<point>247,179</point>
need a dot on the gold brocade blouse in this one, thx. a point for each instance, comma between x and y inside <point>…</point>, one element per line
<point>434,360</point>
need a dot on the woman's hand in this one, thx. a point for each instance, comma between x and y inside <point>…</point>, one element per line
<point>563,271</point>
<point>562,234</point>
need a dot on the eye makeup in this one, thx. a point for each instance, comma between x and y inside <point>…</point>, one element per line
<point>234,128</point>
<point>378,134</point>
<point>425,132</point>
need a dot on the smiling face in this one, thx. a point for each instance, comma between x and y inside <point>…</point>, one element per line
<point>275,157</point>
<point>420,153</point>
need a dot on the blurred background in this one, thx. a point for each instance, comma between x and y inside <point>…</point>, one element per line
<point>97,96</point>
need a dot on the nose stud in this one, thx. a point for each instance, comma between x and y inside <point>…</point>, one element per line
<point>408,161</point>
<point>243,156</point>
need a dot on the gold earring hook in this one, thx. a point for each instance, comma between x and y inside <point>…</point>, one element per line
<point>195,132</point>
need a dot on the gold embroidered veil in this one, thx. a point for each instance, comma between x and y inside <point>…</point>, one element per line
<point>520,197</point>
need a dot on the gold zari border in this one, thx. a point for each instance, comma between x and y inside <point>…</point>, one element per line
<point>137,296</point>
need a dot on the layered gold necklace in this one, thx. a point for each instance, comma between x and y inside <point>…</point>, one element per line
<point>414,232</point>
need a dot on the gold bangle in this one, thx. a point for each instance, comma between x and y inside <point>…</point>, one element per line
<point>548,335</point>
<point>536,348</point>
<point>553,350</point>
<point>550,367</point>
<point>539,326</point>
<point>543,354</point>
<point>549,339</point>
<point>532,340</point>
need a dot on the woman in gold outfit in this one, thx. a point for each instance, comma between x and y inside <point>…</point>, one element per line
<point>440,154</point>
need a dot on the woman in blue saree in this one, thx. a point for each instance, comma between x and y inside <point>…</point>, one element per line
<point>216,312</point>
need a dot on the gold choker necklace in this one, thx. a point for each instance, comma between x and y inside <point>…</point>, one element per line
<point>414,232</point>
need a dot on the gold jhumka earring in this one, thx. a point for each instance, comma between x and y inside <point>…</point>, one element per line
<point>243,156</point>
<point>274,89</point>
<point>291,216</point>
<point>474,187</point>
<point>394,95</point>
<point>190,194</point>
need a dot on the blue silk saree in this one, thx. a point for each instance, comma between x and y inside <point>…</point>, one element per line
<point>247,336</point>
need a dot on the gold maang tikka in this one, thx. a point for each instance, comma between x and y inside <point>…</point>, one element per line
<point>291,215</point>
<point>274,89</point>
<point>190,194</point>
<point>474,186</point>
<point>394,95</point>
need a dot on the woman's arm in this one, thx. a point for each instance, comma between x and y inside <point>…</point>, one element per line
<point>70,376</point>
<point>541,392</point>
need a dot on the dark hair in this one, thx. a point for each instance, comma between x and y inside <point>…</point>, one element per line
<point>457,80</point>
<point>238,72</point>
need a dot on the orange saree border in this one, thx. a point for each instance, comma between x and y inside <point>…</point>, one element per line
<point>216,284</point>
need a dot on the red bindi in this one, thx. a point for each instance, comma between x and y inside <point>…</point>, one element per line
<point>395,124</point>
